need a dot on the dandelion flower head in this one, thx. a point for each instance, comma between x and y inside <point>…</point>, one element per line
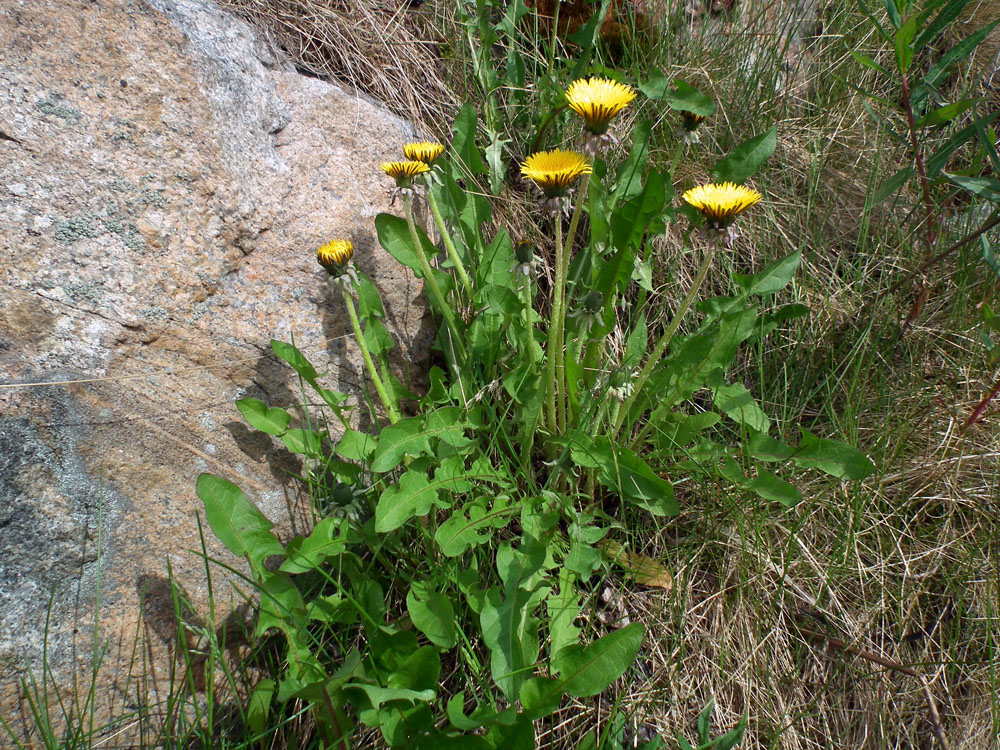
<point>334,255</point>
<point>721,203</point>
<point>404,169</point>
<point>424,151</point>
<point>554,171</point>
<point>597,100</point>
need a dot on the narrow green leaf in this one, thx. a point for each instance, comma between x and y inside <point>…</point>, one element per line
<point>482,716</point>
<point>939,159</point>
<point>273,421</point>
<point>948,112</point>
<point>939,70</point>
<point>296,359</point>
<point>236,521</point>
<point>893,10</point>
<point>744,160</point>
<point>890,186</point>
<point>868,62</point>
<point>903,43</point>
<point>369,300</point>
<point>588,670</point>
<point>930,32</point>
<point>984,187</point>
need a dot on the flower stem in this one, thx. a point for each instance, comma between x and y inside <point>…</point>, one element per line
<point>664,342</point>
<point>432,285</point>
<point>389,402</point>
<point>449,244</point>
<point>574,222</point>
<point>553,351</point>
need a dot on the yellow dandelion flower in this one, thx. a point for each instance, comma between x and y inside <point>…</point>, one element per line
<point>721,203</point>
<point>425,151</point>
<point>404,169</point>
<point>334,255</point>
<point>597,100</point>
<point>554,171</point>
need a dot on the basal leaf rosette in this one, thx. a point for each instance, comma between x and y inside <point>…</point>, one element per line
<point>721,203</point>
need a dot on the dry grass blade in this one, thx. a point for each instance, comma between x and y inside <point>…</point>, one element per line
<point>373,46</point>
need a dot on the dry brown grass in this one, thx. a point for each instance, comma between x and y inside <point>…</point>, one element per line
<point>377,47</point>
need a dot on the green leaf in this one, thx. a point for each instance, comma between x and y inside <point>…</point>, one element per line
<point>296,359</point>
<point>744,160</point>
<point>903,43</point>
<point>305,442</point>
<point>541,696</point>
<point>237,522</point>
<point>939,70</point>
<point>890,186</point>
<point>624,472</point>
<point>948,112</point>
<point>356,446</point>
<point>273,421</point>
<point>473,525</point>
<point>406,437</point>
<point>414,495</point>
<point>832,456</point>
<point>432,614</point>
<point>735,401</point>
<point>394,236</point>
<point>463,140</point>
<point>328,539</point>
<point>984,187</point>
<point>482,716</point>
<point>772,279</point>
<point>378,695</point>
<point>563,608</point>
<point>868,62</point>
<point>259,706</point>
<point>588,670</point>
<point>655,86</point>
<point>628,181</point>
<point>930,32</point>
<point>369,300</point>
<point>686,98</point>
<point>939,159</point>
<point>771,487</point>
<point>282,607</point>
<point>892,8</point>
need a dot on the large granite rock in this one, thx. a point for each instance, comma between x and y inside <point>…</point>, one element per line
<point>164,182</point>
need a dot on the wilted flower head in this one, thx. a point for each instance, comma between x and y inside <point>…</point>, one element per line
<point>690,120</point>
<point>334,256</point>
<point>721,203</point>
<point>424,151</point>
<point>597,100</point>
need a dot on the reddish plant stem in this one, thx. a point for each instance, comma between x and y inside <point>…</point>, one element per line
<point>918,160</point>
<point>981,406</point>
